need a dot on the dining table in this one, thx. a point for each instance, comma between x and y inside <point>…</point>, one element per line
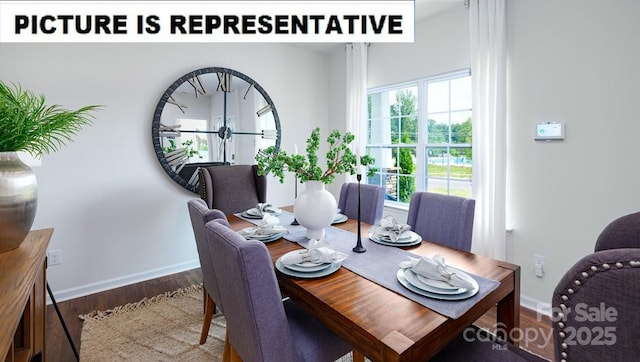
<point>379,320</point>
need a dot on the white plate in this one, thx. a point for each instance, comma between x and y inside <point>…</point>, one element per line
<point>439,283</point>
<point>406,238</point>
<point>414,240</point>
<point>443,285</point>
<point>265,240</point>
<point>413,278</point>
<point>405,283</point>
<point>305,266</point>
<point>340,218</point>
<point>333,267</point>
<point>308,268</point>
<point>255,213</point>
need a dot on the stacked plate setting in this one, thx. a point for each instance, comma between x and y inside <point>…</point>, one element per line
<point>437,289</point>
<point>307,269</point>
<point>254,213</point>
<point>339,218</point>
<point>408,238</point>
<point>263,234</point>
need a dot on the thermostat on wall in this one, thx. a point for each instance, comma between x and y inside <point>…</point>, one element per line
<point>547,131</point>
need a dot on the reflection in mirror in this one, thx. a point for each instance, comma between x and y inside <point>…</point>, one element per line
<point>212,116</point>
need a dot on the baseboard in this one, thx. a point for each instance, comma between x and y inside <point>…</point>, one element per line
<point>67,294</point>
<point>535,305</point>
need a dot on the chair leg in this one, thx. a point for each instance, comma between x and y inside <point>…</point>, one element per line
<point>230,354</point>
<point>226,354</point>
<point>209,309</point>
<point>357,356</point>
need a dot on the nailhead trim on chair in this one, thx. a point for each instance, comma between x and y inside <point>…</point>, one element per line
<point>201,181</point>
<point>585,275</point>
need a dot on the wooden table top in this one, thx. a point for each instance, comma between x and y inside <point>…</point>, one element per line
<point>384,325</point>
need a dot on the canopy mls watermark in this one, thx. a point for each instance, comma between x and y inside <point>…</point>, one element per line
<point>207,21</point>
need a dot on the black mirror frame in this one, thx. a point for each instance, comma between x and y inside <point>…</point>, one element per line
<point>157,114</point>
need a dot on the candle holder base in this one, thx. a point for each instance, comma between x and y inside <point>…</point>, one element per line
<point>359,248</point>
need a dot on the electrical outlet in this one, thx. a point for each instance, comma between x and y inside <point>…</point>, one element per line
<point>55,257</point>
<point>538,265</point>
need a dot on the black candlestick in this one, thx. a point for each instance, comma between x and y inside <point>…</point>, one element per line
<point>295,222</point>
<point>359,248</point>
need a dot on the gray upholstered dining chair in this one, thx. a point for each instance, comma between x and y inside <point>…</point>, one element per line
<point>260,325</point>
<point>232,188</point>
<point>200,214</point>
<point>443,219</point>
<point>595,315</point>
<point>371,201</point>
<point>623,232</point>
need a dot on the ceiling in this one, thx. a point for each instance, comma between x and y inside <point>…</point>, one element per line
<point>424,9</point>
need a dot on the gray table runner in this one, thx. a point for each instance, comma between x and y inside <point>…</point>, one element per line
<point>380,265</point>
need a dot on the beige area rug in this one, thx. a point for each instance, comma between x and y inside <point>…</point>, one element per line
<point>163,328</point>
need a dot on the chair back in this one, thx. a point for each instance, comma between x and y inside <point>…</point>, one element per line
<point>599,302</point>
<point>371,202</point>
<point>232,188</point>
<point>623,232</point>
<point>443,219</point>
<point>256,321</point>
<point>200,214</point>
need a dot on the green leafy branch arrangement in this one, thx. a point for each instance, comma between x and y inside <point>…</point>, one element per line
<point>340,159</point>
<point>28,124</point>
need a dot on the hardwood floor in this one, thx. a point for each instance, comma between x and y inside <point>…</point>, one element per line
<point>59,350</point>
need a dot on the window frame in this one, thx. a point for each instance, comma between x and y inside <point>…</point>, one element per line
<point>422,144</point>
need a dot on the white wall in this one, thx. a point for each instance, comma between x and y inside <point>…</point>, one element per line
<point>441,45</point>
<point>577,62</point>
<point>118,217</point>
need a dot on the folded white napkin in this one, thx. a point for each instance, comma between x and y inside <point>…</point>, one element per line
<point>435,268</point>
<point>267,209</point>
<point>268,226</point>
<point>319,251</point>
<point>389,227</point>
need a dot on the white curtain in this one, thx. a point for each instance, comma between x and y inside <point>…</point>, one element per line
<point>487,23</point>
<point>357,92</point>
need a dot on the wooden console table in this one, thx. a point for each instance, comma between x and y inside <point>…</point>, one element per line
<point>23,299</point>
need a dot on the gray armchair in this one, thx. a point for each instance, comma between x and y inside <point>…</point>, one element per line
<point>443,219</point>
<point>232,188</point>
<point>371,201</point>
<point>623,232</point>
<point>596,308</point>
<point>596,315</point>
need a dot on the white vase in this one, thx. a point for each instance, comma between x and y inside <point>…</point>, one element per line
<point>315,209</point>
<point>18,200</point>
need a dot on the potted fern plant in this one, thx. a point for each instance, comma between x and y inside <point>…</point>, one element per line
<point>316,208</point>
<point>28,124</point>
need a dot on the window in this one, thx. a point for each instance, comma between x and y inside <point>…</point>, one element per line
<point>420,135</point>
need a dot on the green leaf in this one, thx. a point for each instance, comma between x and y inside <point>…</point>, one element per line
<point>28,124</point>
<point>339,159</point>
